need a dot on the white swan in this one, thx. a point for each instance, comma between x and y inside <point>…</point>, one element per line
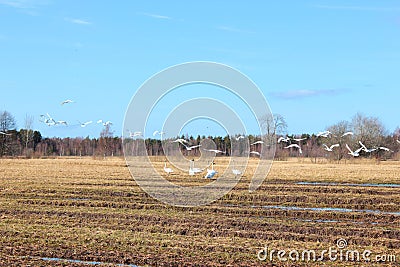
<point>211,173</point>
<point>324,134</point>
<point>330,149</point>
<point>83,125</point>
<point>236,172</point>
<point>368,150</point>
<point>347,133</point>
<point>296,146</point>
<point>192,169</point>
<point>167,170</point>
<point>283,139</point>
<point>354,153</point>
<point>258,142</point>
<point>214,150</point>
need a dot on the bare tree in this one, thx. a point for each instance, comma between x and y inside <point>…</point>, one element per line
<point>369,130</point>
<point>28,132</point>
<point>7,123</point>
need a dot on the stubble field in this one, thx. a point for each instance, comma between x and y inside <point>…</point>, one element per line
<point>84,211</point>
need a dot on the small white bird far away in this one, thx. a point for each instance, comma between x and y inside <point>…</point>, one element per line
<point>68,101</point>
<point>258,142</point>
<point>168,170</point>
<point>347,133</point>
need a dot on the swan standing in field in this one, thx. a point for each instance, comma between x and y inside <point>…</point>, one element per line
<point>211,173</point>
<point>368,150</point>
<point>330,149</point>
<point>167,170</point>
<point>192,169</point>
<point>354,153</point>
<point>236,172</point>
<point>296,146</point>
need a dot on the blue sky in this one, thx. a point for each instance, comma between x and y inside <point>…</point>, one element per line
<point>317,62</point>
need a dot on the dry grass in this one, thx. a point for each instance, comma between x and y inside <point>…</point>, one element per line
<point>92,210</point>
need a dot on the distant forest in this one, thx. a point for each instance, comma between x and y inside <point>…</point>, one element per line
<point>369,131</point>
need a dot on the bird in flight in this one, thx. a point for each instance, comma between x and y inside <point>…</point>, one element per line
<point>180,140</point>
<point>158,132</point>
<point>190,147</point>
<point>83,125</point>
<point>368,150</point>
<point>296,146</point>
<point>68,101</point>
<point>354,153</point>
<point>330,149</point>
<point>62,122</point>
<point>239,137</point>
<point>324,134</point>
<point>299,139</point>
<point>105,123</point>
<point>214,150</point>
<point>347,133</point>
<point>258,142</point>
<point>283,139</point>
<point>3,133</point>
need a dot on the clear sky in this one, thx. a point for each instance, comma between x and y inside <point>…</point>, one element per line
<point>317,62</point>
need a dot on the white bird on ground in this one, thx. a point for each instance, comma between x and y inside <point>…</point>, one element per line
<point>354,153</point>
<point>167,170</point>
<point>83,125</point>
<point>258,142</point>
<point>211,173</point>
<point>214,150</point>
<point>3,133</point>
<point>347,133</point>
<point>236,172</point>
<point>368,150</point>
<point>158,132</point>
<point>255,153</point>
<point>324,134</point>
<point>239,137</point>
<point>283,139</point>
<point>330,149</point>
<point>192,169</point>
<point>67,101</point>
<point>296,146</point>
<point>299,139</point>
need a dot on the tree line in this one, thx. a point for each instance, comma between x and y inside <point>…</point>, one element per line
<point>370,131</point>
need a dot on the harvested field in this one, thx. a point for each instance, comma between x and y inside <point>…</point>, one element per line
<point>84,211</point>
